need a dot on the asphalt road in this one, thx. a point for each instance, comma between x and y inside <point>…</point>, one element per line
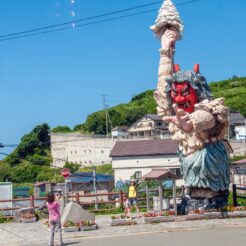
<point>227,236</point>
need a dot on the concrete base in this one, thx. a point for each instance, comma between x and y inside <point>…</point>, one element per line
<point>203,199</point>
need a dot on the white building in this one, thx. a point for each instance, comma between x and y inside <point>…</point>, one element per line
<point>141,156</point>
<point>149,126</point>
<point>120,132</point>
<point>80,149</point>
<point>237,126</point>
<point>240,132</point>
<point>238,172</point>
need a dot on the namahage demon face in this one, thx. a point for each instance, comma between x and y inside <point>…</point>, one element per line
<point>184,96</point>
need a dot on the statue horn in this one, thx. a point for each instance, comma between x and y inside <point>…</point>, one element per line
<point>176,68</point>
<point>196,68</point>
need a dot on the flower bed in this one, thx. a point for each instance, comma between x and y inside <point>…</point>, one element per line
<point>227,212</point>
<point>121,220</point>
<point>69,226</point>
<point>87,225</point>
<point>158,217</point>
<point>28,217</point>
<point>28,220</point>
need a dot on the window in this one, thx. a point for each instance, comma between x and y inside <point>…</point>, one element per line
<point>138,174</point>
<point>158,123</point>
<point>176,171</point>
<point>87,192</point>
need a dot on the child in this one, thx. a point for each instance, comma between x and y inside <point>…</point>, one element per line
<point>54,218</point>
<point>126,205</point>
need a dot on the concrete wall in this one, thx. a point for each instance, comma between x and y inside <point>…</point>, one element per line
<point>80,149</point>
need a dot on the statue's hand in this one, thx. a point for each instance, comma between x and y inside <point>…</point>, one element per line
<point>168,39</point>
<point>181,119</point>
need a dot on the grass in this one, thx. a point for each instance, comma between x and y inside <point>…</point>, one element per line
<point>5,220</point>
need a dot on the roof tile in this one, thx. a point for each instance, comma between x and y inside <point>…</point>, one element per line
<point>144,148</point>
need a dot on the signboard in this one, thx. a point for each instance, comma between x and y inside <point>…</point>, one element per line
<point>6,194</point>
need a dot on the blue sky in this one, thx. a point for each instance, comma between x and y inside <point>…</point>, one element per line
<point>59,78</point>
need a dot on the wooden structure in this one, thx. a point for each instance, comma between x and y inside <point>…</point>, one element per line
<point>235,196</point>
<point>161,175</point>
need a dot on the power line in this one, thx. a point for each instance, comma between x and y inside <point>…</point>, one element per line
<point>8,145</point>
<point>1,153</point>
<point>26,33</point>
<point>81,25</point>
<point>80,20</point>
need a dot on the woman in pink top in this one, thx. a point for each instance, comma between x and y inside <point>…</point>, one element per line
<point>54,219</point>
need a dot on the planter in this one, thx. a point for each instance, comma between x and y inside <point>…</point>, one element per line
<point>159,219</point>
<point>29,220</point>
<point>123,222</point>
<point>195,216</point>
<point>70,229</point>
<point>89,228</point>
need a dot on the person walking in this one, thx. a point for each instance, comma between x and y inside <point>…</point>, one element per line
<point>132,197</point>
<point>54,219</point>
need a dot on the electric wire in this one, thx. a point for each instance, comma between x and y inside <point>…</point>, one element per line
<point>80,20</point>
<point>19,35</point>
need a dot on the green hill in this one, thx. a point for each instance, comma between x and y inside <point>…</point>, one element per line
<point>233,90</point>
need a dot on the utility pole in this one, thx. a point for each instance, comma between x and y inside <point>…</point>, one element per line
<point>245,132</point>
<point>95,186</point>
<point>229,126</point>
<point>109,120</point>
<point>107,116</point>
<point>106,113</point>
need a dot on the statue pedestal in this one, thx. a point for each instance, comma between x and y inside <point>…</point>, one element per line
<point>203,199</point>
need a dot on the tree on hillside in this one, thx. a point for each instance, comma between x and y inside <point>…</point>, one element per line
<point>34,144</point>
<point>80,128</point>
<point>123,114</point>
<point>61,129</point>
<point>5,172</point>
<point>73,167</point>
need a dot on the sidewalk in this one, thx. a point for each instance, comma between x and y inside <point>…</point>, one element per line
<point>17,234</point>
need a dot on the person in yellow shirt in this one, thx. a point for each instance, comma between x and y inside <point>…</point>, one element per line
<point>132,197</point>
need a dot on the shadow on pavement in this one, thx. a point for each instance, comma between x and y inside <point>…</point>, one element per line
<point>70,243</point>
